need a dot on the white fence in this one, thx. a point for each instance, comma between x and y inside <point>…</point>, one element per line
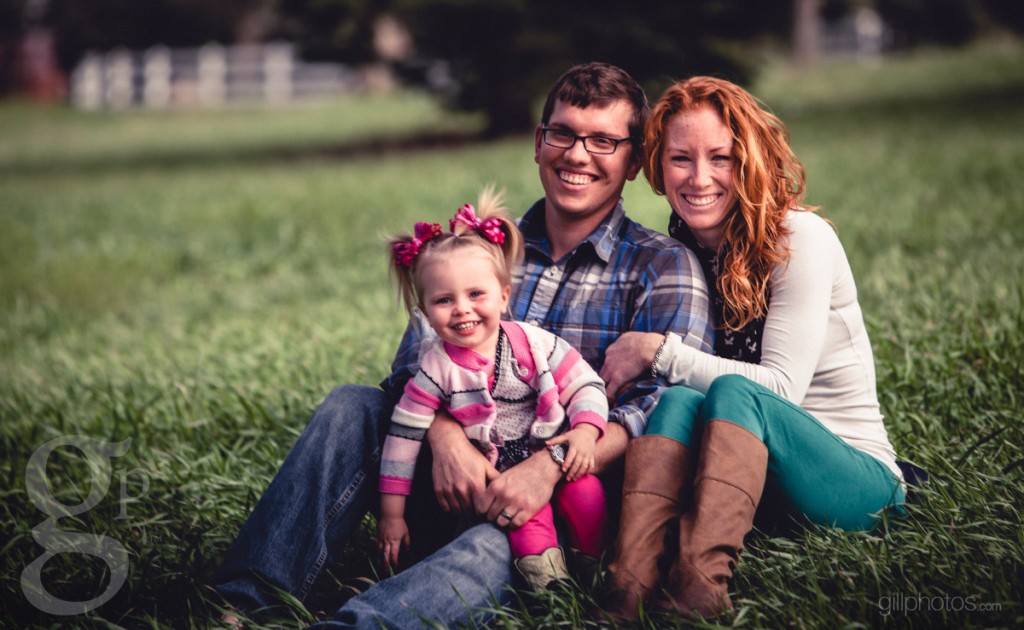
<point>212,75</point>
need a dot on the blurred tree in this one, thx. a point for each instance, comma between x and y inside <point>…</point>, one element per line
<point>505,53</point>
<point>84,25</point>
<point>1005,14</point>
<point>806,32</point>
<point>12,14</point>
<point>334,30</point>
<point>935,21</point>
<point>28,65</point>
<point>12,27</point>
<point>949,22</point>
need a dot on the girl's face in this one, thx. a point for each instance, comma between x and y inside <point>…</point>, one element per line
<point>697,163</point>
<point>463,299</point>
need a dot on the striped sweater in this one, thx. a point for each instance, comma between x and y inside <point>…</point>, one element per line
<point>458,380</point>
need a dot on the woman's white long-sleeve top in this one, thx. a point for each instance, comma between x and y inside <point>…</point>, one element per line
<point>815,348</point>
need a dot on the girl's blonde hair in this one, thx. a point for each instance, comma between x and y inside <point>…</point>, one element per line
<point>493,223</point>
<point>769,181</point>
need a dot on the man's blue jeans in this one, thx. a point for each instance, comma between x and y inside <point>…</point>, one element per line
<point>326,485</point>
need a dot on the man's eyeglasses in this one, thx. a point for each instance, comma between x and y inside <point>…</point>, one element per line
<point>563,139</point>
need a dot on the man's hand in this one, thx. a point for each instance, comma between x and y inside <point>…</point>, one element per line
<point>628,359</point>
<point>520,492</point>
<point>460,471</point>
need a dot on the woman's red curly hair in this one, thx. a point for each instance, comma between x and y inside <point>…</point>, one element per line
<point>768,178</point>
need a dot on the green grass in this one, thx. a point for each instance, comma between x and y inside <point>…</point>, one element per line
<point>197,282</point>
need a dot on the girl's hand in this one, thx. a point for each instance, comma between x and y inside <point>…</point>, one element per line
<point>582,441</point>
<point>392,536</point>
<point>629,359</point>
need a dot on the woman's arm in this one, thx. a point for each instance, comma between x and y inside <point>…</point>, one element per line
<point>673,297</point>
<point>629,359</point>
<point>796,324</point>
<point>794,333</point>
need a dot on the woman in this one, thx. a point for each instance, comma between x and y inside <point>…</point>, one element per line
<point>787,406</point>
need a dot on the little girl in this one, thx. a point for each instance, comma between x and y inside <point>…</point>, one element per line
<point>512,386</point>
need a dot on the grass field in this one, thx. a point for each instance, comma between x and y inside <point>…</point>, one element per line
<point>196,282</point>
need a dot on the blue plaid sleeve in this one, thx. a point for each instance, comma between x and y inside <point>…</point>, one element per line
<point>674,298</point>
<point>417,336</point>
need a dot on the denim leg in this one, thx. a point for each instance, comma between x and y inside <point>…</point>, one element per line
<point>446,589</point>
<point>312,507</point>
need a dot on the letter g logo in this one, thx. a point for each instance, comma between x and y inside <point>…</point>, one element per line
<point>55,540</point>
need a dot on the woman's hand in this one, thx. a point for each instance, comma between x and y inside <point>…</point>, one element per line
<point>629,359</point>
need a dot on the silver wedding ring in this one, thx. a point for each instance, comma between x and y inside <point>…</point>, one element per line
<point>506,515</point>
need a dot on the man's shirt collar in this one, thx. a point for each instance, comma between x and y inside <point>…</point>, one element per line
<point>602,239</point>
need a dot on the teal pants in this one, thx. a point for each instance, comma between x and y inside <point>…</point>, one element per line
<point>812,474</point>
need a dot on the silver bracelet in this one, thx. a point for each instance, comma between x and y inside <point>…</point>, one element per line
<point>657,357</point>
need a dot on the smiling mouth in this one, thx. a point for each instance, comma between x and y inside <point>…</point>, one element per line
<point>700,200</point>
<point>575,178</point>
<point>464,327</point>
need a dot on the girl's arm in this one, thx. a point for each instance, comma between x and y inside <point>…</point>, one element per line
<point>581,391</point>
<point>410,419</point>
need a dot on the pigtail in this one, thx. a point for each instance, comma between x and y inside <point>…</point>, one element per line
<point>489,228</point>
<point>491,205</point>
<point>402,275</point>
<point>404,250</point>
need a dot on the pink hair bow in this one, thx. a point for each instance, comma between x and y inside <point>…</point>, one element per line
<point>405,252</point>
<point>490,229</point>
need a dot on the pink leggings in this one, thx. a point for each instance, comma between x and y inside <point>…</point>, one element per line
<point>581,505</point>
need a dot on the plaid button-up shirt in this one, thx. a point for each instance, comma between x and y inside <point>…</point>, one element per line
<point>623,277</point>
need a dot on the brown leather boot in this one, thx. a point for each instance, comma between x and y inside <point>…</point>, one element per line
<point>728,484</point>
<point>655,491</point>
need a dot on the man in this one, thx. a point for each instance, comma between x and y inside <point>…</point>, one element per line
<point>589,275</point>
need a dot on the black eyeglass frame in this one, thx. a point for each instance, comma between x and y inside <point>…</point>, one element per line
<point>575,138</point>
